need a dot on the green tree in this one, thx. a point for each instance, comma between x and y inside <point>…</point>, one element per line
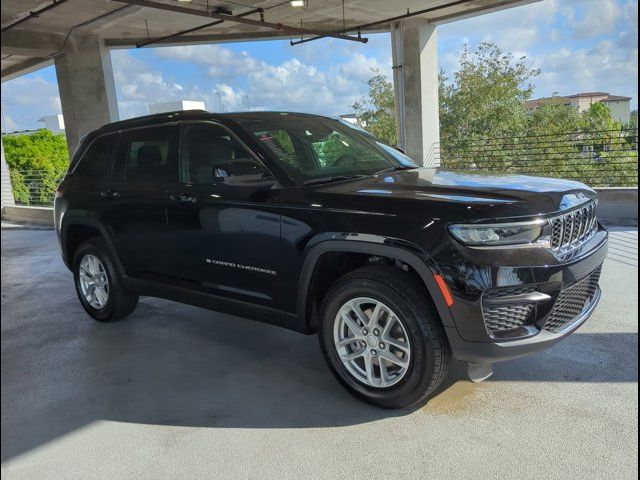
<point>484,98</point>
<point>598,118</point>
<point>484,125</point>
<point>611,146</point>
<point>551,118</point>
<point>550,140</point>
<point>376,111</point>
<point>36,163</point>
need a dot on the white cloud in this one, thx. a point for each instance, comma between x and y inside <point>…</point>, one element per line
<point>26,99</point>
<point>519,38</point>
<point>9,124</point>
<point>294,85</point>
<point>580,45</point>
<point>33,90</point>
<point>241,81</point>
<point>360,66</point>
<point>221,62</point>
<point>604,67</point>
<point>600,18</point>
<point>138,85</point>
<point>518,23</point>
<point>449,62</point>
<point>628,38</point>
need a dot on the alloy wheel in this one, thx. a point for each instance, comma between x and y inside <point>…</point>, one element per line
<point>94,282</point>
<point>372,343</point>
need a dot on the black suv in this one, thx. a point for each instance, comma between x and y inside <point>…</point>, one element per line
<point>301,221</point>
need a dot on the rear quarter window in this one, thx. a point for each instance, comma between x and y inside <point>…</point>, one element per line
<point>95,163</point>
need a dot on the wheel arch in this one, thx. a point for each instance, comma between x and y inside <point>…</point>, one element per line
<point>420,262</point>
<point>76,229</point>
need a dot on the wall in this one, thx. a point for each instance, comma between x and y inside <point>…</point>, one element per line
<point>618,205</point>
<point>620,110</point>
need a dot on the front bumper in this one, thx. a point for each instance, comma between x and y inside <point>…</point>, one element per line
<point>485,352</point>
<point>473,342</point>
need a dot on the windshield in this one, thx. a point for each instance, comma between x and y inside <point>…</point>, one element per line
<point>318,148</point>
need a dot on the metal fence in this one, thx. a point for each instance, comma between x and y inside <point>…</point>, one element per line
<point>605,158</point>
<point>34,187</point>
<point>599,159</point>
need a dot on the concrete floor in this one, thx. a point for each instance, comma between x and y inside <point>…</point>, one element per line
<point>180,392</point>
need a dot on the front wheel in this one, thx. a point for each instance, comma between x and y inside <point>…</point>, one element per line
<point>382,337</point>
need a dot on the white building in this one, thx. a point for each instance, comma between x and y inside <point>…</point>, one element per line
<point>176,106</point>
<point>53,123</point>
<point>620,106</point>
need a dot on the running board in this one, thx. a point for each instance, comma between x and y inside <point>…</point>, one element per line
<point>479,371</point>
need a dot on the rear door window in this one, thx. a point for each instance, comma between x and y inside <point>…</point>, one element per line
<point>151,154</point>
<point>96,161</point>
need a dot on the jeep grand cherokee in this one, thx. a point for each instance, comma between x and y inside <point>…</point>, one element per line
<point>303,222</point>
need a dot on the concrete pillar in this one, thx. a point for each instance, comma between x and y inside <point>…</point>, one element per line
<point>87,88</point>
<point>414,45</point>
<point>5,187</point>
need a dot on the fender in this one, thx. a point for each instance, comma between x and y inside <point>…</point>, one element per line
<point>416,258</point>
<point>71,219</point>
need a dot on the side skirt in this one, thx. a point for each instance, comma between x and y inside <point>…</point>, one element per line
<point>229,306</point>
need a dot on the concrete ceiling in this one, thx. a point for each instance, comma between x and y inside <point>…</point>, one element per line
<point>35,42</point>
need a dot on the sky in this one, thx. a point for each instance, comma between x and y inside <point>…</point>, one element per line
<point>579,45</point>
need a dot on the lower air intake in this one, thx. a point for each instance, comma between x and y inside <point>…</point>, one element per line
<point>572,302</point>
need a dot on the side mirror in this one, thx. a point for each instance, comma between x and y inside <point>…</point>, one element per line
<point>261,181</point>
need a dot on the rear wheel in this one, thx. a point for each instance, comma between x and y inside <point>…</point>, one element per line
<point>382,337</point>
<point>98,285</point>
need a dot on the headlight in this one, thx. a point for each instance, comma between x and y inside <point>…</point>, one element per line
<point>519,233</point>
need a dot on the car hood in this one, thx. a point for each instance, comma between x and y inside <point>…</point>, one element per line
<point>524,194</point>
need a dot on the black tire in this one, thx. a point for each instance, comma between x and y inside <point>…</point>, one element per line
<point>430,351</point>
<point>119,302</point>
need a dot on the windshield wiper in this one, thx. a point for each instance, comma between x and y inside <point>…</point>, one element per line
<point>336,178</point>
<point>394,168</point>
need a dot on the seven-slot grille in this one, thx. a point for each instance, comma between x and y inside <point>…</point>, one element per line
<point>572,302</point>
<point>573,228</point>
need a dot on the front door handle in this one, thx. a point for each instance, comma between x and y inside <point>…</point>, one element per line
<point>184,198</point>
<point>109,194</point>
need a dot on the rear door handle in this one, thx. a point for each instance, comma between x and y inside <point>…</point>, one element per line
<point>184,198</point>
<point>109,194</point>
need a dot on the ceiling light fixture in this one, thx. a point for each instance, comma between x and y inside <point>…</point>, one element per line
<point>298,3</point>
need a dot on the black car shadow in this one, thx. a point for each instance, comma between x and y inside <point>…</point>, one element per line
<point>170,364</point>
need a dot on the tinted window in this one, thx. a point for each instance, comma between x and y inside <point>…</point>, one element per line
<point>96,160</point>
<point>336,149</point>
<point>281,144</point>
<point>151,154</point>
<point>318,147</point>
<point>210,154</point>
